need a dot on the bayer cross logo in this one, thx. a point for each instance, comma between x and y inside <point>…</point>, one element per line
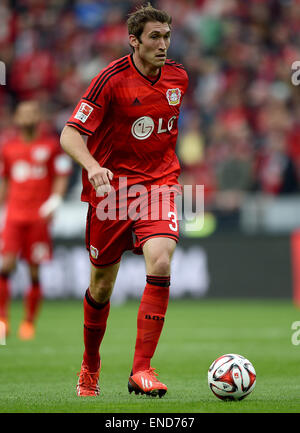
<point>142,128</point>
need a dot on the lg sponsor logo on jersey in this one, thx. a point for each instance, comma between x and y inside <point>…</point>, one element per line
<point>143,127</point>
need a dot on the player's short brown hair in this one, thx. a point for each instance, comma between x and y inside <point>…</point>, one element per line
<point>137,19</point>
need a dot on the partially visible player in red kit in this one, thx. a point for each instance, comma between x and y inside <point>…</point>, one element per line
<point>129,113</point>
<point>34,177</point>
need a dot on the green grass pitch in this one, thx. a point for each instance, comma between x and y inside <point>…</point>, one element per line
<point>40,375</point>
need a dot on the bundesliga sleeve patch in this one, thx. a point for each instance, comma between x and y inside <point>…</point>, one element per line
<point>83,112</point>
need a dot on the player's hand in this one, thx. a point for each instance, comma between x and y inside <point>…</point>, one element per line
<point>100,178</point>
<point>49,207</point>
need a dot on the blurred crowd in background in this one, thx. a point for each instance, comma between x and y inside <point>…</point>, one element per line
<point>240,121</point>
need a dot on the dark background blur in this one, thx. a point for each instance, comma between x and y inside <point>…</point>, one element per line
<point>240,121</point>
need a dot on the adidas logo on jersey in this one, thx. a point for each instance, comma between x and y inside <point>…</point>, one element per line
<point>136,102</point>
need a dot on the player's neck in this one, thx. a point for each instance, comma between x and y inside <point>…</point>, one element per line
<point>145,68</point>
<point>28,134</point>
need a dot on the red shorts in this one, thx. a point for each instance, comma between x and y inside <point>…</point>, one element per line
<point>108,239</point>
<point>31,241</point>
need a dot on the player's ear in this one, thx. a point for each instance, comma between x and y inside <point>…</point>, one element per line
<point>133,41</point>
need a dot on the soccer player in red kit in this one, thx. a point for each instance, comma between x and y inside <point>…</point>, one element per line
<point>34,176</point>
<point>129,113</point>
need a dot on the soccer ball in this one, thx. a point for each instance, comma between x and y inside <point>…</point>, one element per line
<point>231,377</point>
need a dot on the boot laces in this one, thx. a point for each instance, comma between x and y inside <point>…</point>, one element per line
<point>152,373</point>
<point>88,380</point>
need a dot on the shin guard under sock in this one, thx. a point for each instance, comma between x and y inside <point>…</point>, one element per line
<point>95,318</point>
<point>4,295</point>
<point>33,302</point>
<point>150,320</point>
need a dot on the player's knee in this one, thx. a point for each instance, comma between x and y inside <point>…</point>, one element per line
<point>160,265</point>
<point>8,265</point>
<point>101,289</point>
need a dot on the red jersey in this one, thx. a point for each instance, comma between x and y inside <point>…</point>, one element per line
<point>131,123</point>
<point>30,168</point>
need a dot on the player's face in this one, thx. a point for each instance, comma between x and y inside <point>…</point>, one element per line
<point>154,43</point>
<point>27,115</point>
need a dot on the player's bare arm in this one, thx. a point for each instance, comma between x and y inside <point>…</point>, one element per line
<point>74,145</point>
<point>3,190</point>
<point>60,184</point>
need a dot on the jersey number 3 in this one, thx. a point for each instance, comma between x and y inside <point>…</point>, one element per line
<point>173,218</point>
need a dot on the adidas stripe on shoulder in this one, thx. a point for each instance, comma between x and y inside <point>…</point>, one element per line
<point>105,76</point>
<point>173,63</point>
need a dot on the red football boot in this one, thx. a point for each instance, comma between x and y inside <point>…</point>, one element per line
<point>87,384</point>
<point>146,382</point>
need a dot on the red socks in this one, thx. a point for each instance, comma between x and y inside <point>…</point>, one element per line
<point>32,302</point>
<point>4,295</point>
<point>95,318</point>
<point>150,320</point>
